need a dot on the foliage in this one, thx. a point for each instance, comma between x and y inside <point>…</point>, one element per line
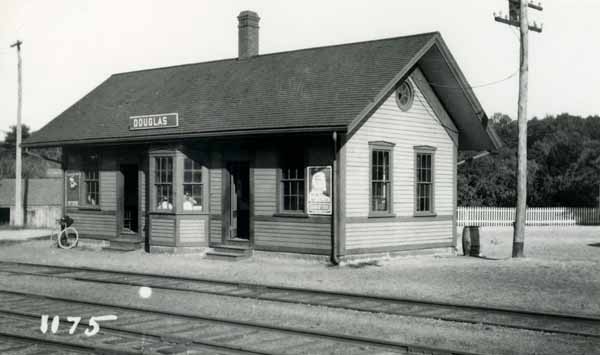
<point>34,163</point>
<point>11,136</point>
<point>563,154</point>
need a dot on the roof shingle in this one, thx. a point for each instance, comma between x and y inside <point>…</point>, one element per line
<point>315,87</point>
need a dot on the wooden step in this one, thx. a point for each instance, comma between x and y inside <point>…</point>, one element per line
<point>229,252</point>
<point>125,243</point>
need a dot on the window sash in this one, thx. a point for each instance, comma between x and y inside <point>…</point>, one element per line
<point>163,183</point>
<point>193,185</point>
<point>424,182</point>
<point>292,189</point>
<point>381,180</point>
<point>91,182</point>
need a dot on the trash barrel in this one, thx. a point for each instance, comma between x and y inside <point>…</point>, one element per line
<point>470,240</point>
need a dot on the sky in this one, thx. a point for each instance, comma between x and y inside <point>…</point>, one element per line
<point>71,46</point>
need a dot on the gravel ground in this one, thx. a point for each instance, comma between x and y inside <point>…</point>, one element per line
<point>561,272</point>
<point>11,235</point>
<point>425,332</point>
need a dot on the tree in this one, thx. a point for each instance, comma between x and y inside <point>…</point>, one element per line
<point>11,136</point>
<point>563,164</point>
<point>35,161</point>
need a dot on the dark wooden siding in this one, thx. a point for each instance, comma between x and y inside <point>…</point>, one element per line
<point>94,224</point>
<point>313,238</point>
<point>162,230</point>
<point>265,183</point>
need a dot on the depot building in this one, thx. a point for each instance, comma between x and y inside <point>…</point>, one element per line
<point>340,150</point>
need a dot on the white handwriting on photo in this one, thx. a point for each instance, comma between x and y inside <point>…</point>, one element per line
<point>93,329</point>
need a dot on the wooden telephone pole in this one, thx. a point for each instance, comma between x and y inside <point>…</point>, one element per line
<point>518,17</point>
<point>18,221</point>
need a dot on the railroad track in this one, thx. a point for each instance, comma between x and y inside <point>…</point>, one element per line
<point>10,345</point>
<point>511,318</point>
<point>139,330</point>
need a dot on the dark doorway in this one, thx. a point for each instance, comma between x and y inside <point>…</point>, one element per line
<point>239,200</point>
<point>5,215</point>
<point>130,198</point>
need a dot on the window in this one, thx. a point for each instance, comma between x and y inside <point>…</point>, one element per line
<point>381,183</point>
<point>192,185</point>
<point>424,180</point>
<point>292,187</point>
<point>91,182</point>
<point>292,182</point>
<point>163,183</point>
<point>405,95</point>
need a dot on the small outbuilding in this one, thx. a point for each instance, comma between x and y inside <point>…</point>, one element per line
<point>338,150</point>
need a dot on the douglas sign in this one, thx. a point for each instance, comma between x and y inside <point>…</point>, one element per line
<point>163,120</point>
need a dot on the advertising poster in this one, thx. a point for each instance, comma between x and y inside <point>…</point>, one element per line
<point>73,181</point>
<point>319,190</point>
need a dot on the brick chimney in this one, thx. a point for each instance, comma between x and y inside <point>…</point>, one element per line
<point>247,34</point>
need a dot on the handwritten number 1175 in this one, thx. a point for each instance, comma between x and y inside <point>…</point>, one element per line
<point>93,323</point>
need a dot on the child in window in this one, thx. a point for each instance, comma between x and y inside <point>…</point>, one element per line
<point>189,203</point>
<point>165,204</point>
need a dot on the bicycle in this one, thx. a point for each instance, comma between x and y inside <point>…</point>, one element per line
<point>67,237</point>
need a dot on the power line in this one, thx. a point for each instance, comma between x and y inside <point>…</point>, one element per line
<point>475,86</point>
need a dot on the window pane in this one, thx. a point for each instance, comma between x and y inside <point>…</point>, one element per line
<point>188,164</point>
<point>187,176</point>
<point>197,176</point>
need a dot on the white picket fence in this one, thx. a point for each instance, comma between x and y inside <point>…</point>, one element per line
<point>537,216</point>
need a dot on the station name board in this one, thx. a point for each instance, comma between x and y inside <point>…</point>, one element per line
<point>163,120</point>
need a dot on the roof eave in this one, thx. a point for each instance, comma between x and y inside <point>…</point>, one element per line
<point>173,136</point>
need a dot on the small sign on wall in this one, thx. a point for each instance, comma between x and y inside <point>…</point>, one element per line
<point>319,190</point>
<point>163,120</point>
<point>73,183</point>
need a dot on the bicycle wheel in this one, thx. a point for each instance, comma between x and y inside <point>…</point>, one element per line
<point>68,238</point>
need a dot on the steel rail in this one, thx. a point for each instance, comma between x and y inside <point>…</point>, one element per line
<point>334,337</point>
<point>261,292</point>
<point>115,331</point>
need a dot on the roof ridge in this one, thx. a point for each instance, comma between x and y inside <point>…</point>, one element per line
<point>282,52</point>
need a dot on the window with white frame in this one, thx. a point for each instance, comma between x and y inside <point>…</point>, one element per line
<point>193,185</point>
<point>163,182</point>
<point>424,180</point>
<point>91,178</point>
<point>380,190</point>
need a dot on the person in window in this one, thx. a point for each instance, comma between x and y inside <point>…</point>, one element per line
<point>189,203</point>
<point>164,204</point>
<point>90,200</point>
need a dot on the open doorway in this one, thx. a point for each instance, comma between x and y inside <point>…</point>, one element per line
<point>238,200</point>
<point>130,198</point>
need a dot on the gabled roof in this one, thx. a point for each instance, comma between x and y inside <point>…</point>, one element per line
<point>325,88</point>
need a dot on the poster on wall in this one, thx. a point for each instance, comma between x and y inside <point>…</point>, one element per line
<point>73,189</point>
<point>319,190</point>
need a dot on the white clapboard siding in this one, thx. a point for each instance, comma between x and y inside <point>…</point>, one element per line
<point>416,127</point>
<point>192,230</point>
<point>292,235</point>
<point>162,231</point>
<point>535,216</point>
<point>108,190</point>
<point>394,234</point>
<point>95,224</point>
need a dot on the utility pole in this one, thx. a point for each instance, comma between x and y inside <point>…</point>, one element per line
<point>18,174</point>
<point>518,17</point>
